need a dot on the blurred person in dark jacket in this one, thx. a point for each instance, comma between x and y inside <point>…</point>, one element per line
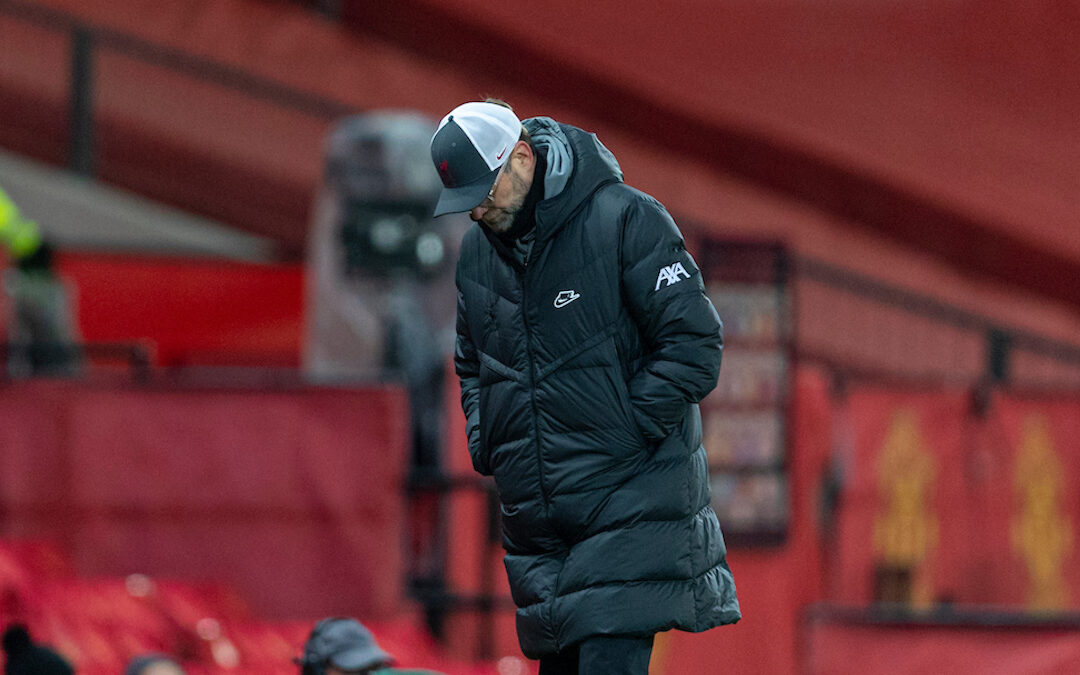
<point>585,341</point>
<point>24,657</point>
<point>340,645</point>
<point>42,331</point>
<point>40,322</point>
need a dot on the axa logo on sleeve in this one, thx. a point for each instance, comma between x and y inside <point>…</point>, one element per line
<point>672,274</point>
<point>564,298</point>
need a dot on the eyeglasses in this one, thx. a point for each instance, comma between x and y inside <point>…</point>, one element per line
<point>489,201</point>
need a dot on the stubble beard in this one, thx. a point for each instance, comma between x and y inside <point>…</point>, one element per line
<point>500,220</point>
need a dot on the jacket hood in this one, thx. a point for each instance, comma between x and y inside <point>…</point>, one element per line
<point>577,164</point>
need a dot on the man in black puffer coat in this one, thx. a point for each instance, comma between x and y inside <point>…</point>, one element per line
<point>585,341</point>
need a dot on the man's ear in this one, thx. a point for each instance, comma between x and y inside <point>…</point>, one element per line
<point>523,152</point>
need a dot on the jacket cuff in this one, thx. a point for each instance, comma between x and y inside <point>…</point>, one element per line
<point>479,462</point>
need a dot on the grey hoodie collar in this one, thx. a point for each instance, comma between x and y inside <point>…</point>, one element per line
<point>577,165</point>
<point>546,133</point>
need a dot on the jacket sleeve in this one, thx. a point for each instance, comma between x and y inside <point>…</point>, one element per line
<point>682,334</point>
<point>467,366</point>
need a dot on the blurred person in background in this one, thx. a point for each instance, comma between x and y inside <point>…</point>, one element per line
<point>25,657</point>
<point>19,236</point>
<point>153,664</point>
<point>41,334</point>
<point>584,343</point>
<point>342,645</point>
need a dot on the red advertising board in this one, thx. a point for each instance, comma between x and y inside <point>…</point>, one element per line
<point>903,496</point>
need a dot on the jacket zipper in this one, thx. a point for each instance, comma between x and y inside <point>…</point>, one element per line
<point>532,384</point>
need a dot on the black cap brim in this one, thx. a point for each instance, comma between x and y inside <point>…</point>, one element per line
<point>465,197</point>
<point>368,656</point>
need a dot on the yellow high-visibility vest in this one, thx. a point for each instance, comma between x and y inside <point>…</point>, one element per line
<point>20,236</point>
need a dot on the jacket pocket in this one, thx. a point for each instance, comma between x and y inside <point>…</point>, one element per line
<point>626,408</point>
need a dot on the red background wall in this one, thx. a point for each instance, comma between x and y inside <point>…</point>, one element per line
<point>192,311</point>
<point>847,647</point>
<point>292,497</point>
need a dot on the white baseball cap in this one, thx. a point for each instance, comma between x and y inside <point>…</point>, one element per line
<point>471,144</point>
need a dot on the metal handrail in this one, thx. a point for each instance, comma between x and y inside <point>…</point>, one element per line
<point>200,67</point>
<point>926,306</point>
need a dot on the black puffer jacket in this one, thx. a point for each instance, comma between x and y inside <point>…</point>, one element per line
<point>580,375</point>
